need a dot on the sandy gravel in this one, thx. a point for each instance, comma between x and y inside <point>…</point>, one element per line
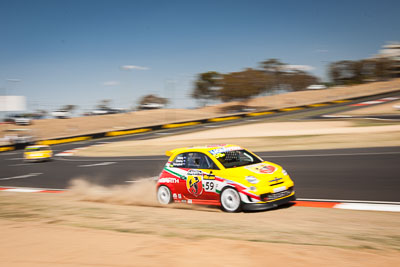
<point>38,245</point>
<point>315,96</point>
<point>62,230</point>
<point>283,129</point>
<point>263,137</point>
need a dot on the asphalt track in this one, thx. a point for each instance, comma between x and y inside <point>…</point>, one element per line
<point>368,174</point>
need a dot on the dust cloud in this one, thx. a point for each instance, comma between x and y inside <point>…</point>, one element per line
<point>140,193</point>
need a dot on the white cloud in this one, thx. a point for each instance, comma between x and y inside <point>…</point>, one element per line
<point>321,51</point>
<point>133,67</point>
<point>299,67</point>
<point>111,83</point>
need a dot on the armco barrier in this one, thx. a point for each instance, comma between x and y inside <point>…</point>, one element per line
<point>131,131</point>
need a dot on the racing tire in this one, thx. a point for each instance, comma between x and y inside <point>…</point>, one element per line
<point>230,200</point>
<point>164,195</point>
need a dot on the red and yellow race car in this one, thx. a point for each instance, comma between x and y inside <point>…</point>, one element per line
<point>225,175</point>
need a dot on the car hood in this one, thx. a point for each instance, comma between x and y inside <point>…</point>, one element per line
<point>267,173</point>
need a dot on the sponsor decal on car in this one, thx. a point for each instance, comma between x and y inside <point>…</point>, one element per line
<point>210,186</point>
<point>224,149</point>
<point>169,180</point>
<point>262,168</point>
<point>194,182</point>
<point>208,176</point>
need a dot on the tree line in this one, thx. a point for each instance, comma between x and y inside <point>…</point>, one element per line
<point>347,72</point>
<point>272,76</point>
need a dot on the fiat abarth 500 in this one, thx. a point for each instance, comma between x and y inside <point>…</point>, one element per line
<point>224,175</point>
<point>38,153</point>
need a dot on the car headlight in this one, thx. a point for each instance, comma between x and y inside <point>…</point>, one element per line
<point>252,179</point>
<point>284,172</point>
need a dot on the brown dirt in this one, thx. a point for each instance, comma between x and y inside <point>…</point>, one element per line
<point>53,128</point>
<point>318,96</point>
<point>264,137</point>
<point>62,230</point>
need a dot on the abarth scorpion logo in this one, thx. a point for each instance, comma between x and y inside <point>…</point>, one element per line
<point>194,182</point>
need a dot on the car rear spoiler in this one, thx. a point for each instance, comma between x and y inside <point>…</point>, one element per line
<point>169,153</point>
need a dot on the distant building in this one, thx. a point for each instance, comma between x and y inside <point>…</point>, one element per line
<point>391,51</point>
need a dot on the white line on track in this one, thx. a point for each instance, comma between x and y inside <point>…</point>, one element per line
<point>98,164</point>
<point>349,201</point>
<point>15,159</point>
<point>20,164</point>
<point>212,126</point>
<point>116,159</point>
<point>372,207</point>
<point>24,189</point>
<point>21,176</point>
<point>329,155</point>
<point>10,153</point>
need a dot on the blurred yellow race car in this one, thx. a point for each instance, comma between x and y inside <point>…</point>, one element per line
<point>225,175</point>
<point>38,153</point>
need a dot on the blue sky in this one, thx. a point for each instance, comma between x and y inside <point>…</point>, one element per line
<point>71,52</point>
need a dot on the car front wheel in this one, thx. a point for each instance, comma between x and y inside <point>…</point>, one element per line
<point>230,200</point>
<point>164,195</point>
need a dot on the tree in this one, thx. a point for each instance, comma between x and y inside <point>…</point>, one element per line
<point>276,68</point>
<point>207,86</point>
<point>286,76</point>
<point>383,67</point>
<point>343,72</point>
<point>104,104</point>
<point>154,100</point>
<point>69,108</point>
<point>299,80</point>
<point>242,85</point>
<point>355,72</point>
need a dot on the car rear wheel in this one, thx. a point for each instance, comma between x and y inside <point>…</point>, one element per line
<point>230,200</point>
<point>164,195</point>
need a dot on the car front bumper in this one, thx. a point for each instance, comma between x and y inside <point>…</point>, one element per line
<point>268,205</point>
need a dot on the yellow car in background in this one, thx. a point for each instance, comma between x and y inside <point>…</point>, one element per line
<point>38,153</point>
<point>224,175</point>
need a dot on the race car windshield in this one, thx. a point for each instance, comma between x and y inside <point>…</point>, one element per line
<point>236,158</point>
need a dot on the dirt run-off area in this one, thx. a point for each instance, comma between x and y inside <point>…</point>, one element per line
<point>97,226</point>
<point>265,136</point>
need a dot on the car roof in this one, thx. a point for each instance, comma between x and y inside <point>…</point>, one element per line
<point>205,148</point>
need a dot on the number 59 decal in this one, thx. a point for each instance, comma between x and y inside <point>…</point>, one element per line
<point>209,186</point>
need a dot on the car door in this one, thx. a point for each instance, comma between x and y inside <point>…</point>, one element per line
<point>200,178</point>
